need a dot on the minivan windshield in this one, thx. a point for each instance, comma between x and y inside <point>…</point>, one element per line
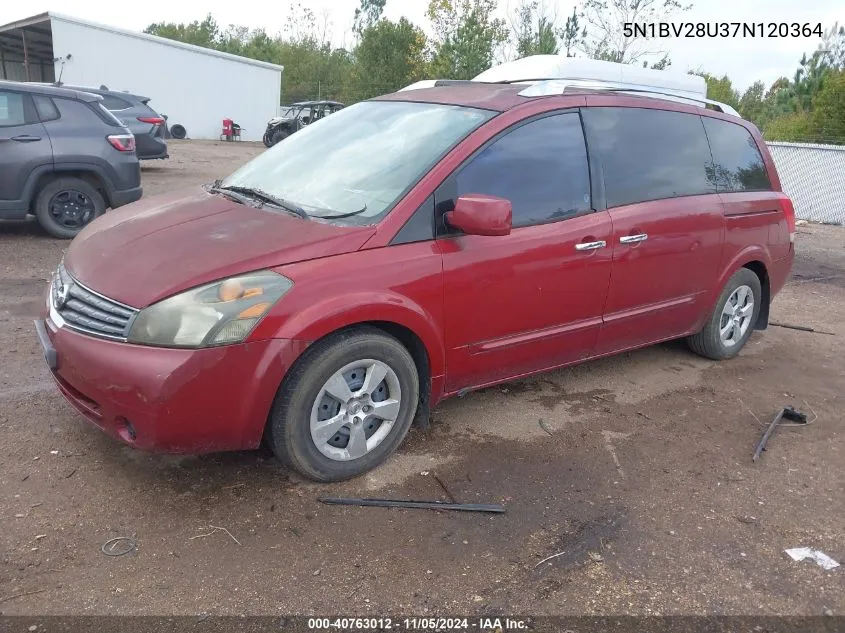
<point>360,161</point>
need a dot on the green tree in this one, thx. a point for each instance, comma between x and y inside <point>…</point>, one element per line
<point>605,34</point>
<point>827,121</point>
<point>572,36</point>
<point>367,15</point>
<point>205,33</point>
<point>534,31</point>
<point>389,56</point>
<point>466,36</point>
<point>720,89</point>
<point>752,105</point>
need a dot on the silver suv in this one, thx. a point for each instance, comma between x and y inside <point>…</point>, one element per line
<point>64,158</point>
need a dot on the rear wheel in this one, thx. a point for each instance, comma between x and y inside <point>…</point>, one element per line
<point>733,319</point>
<point>65,206</point>
<point>346,405</point>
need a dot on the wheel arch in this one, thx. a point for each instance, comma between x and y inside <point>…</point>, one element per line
<point>757,260</point>
<point>759,268</point>
<point>42,177</point>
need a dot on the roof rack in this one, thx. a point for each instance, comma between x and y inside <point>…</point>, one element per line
<point>544,88</point>
<point>547,75</point>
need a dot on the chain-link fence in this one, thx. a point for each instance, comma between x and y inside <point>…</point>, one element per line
<point>814,177</point>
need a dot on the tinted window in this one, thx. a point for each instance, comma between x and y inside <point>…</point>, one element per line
<point>12,109</point>
<point>738,164</point>
<point>541,167</point>
<point>45,107</point>
<point>115,103</point>
<point>649,154</point>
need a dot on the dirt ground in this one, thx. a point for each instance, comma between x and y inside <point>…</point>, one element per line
<point>640,474</point>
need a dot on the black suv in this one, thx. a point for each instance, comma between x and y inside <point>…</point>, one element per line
<point>63,157</point>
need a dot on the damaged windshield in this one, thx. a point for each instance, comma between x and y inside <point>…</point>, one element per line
<point>356,164</point>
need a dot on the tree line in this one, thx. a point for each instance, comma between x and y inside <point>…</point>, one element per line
<point>465,37</point>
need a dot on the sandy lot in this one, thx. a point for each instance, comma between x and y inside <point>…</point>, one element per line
<point>642,477</point>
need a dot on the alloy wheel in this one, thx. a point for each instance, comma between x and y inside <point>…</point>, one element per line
<point>355,409</point>
<point>736,316</point>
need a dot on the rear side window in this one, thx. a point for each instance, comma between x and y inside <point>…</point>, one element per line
<point>649,154</point>
<point>737,162</point>
<point>115,103</point>
<point>541,167</point>
<point>47,110</point>
<point>12,110</point>
<point>82,113</point>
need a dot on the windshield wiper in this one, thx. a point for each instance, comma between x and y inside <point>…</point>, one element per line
<point>263,196</point>
<point>340,215</point>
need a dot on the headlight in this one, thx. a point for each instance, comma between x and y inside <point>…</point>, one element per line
<point>215,314</point>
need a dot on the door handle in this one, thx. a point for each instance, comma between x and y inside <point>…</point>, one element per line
<point>590,246</point>
<point>26,138</point>
<point>633,239</point>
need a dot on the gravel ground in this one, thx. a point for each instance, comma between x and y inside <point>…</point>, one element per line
<point>640,474</point>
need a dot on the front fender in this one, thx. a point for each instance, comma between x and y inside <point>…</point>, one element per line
<point>339,311</point>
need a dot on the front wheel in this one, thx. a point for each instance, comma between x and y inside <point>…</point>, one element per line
<point>346,405</point>
<point>733,318</point>
<point>278,136</point>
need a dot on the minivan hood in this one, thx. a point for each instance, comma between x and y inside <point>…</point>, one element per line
<point>154,248</point>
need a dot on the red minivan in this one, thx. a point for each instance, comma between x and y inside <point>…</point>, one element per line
<point>407,249</point>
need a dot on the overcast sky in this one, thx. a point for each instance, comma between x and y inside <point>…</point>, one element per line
<point>744,60</point>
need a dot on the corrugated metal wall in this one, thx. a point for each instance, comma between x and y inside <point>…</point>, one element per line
<point>814,177</point>
<point>15,70</point>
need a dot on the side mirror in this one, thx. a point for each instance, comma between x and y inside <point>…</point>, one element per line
<point>478,214</point>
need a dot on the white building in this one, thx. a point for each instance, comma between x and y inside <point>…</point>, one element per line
<point>194,86</point>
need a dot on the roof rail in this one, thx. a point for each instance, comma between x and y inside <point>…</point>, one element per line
<point>545,88</point>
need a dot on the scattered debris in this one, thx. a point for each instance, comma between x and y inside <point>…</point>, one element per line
<point>119,546</point>
<point>801,328</point>
<point>822,560</point>
<point>613,435</point>
<point>21,595</point>
<point>214,530</point>
<point>596,557</point>
<point>646,416</point>
<point>787,412</point>
<point>544,426</point>
<point>548,558</point>
<point>448,492</point>
<point>800,222</point>
<point>38,537</point>
<point>423,505</point>
<point>54,452</point>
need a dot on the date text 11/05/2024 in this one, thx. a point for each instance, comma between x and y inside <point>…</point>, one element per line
<point>722,29</point>
<point>418,624</point>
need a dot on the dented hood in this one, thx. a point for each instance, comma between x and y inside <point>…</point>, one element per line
<point>162,245</point>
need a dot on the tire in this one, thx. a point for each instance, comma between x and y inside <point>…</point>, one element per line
<point>178,131</point>
<point>710,342</point>
<point>277,136</point>
<point>297,408</point>
<point>81,202</point>
<point>266,140</point>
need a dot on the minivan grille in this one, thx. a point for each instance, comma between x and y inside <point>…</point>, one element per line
<point>87,311</point>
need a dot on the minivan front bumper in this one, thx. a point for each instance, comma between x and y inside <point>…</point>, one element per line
<point>169,400</point>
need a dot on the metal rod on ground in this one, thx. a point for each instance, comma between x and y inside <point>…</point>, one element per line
<point>425,505</point>
<point>787,412</point>
<point>800,328</point>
